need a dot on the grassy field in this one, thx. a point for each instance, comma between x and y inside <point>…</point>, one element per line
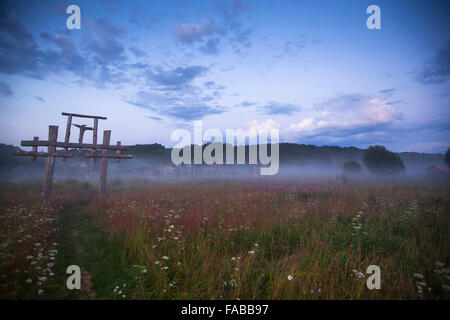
<point>261,239</point>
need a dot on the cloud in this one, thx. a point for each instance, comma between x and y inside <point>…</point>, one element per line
<point>355,117</point>
<point>177,105</point>
<point>437,69</point>
<point>274,108</point>
<point>99,59</point>
<point>5,90</point>
<point>18,49</point>
<point>39,99</point>
<point>210,47</point>
<point>189,33</point>
<point>137,52</point>
<point>233,25</point>
<point>179,76</point>
<point>106,48</point>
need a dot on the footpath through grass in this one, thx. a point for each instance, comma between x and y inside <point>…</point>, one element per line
<point>84,243</point>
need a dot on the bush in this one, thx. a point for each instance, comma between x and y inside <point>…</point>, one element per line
<point>380,161</point>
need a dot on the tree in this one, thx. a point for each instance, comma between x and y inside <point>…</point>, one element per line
<point>380,161</point>
<point>447,157</point>
<point>351,168</point>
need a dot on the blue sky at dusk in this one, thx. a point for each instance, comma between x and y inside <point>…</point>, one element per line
<point>310,68</point>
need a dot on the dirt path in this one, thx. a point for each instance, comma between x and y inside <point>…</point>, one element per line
<point>84,243</point>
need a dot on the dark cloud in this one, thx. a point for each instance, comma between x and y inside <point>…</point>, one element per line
<point>177,77</point>
<point>437,69</point>
<point>190,33</point>
<point>61,54</point>
<point>210,47</point>
<point>18,49</point>
<point>274,108</point>
<point>40,99</point>
<point>387,91</point>
<point>5,90</point>
<point>190,113</point>
<point>175,105</point>
<point>138,52</point>
<point>246,104</point>
<point>106,48</point>
<point>99,60</point>
<point>154,118</point>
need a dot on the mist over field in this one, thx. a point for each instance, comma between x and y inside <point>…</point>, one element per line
<point>224,150</point>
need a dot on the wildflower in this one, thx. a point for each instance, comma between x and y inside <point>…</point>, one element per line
<point>446,287</point>
<point>157,262</point>
<point>165,257</point>
<point>256,245</point>
<point>40,292</point>
<point>233,258</point>
<point>439,264</point>
<point>418,276</point>
<point>290,277</point>
<point>251,252</point>
<point>29,281</point>
<point>319,290</point>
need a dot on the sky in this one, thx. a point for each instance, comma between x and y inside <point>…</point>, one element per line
<point>311,69</point>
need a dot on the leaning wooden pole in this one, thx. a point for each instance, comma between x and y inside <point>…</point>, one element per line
<point>104,165</point>
<point>50,163</point>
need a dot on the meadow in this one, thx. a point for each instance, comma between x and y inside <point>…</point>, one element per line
<point>255,239</point>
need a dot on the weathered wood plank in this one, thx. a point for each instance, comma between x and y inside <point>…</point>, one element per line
<point>50,163</point>
<point>104,165</point>
<point>82,115</point>
<point>43,154</point>
<point>44,143</point>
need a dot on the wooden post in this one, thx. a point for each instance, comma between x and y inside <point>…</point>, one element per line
<point>67,137</point>
<point>192,172</point>
<point>35,149</point>
<point>104,166</point>
<point>94,138</point>
<point>50,163</point>
<point>118,151</point>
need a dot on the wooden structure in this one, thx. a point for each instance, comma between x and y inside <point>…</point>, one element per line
<point>52,144</point>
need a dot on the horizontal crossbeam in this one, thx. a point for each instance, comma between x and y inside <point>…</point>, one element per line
<point>43,143</point>
<point>82,116</point>
<point>43,154</point>
<point>109,156</point>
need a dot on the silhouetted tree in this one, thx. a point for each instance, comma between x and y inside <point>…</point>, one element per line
<point>351,167</point>
<point>447,157</point>
<point>380,161</point>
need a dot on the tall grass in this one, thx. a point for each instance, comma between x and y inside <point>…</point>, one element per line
<point>279,240</point>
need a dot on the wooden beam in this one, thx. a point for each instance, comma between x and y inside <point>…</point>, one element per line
<point>67,137</point>
<point>34,154</point>
<point>34,149</point>
<point>109,156</point>
<point>94,139</point>
<point>50,163</point>
<point>43,143</point>
<point>82,115</point>
<point>118,151</point>
<point>104,165</point>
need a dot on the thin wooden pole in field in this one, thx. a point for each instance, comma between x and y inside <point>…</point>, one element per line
<point>35,149</point>
<point>104,165</point>
<point>67,137</point>
<point>50,163</point>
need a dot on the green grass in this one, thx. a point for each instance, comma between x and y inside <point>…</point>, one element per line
<point>233,240</point>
